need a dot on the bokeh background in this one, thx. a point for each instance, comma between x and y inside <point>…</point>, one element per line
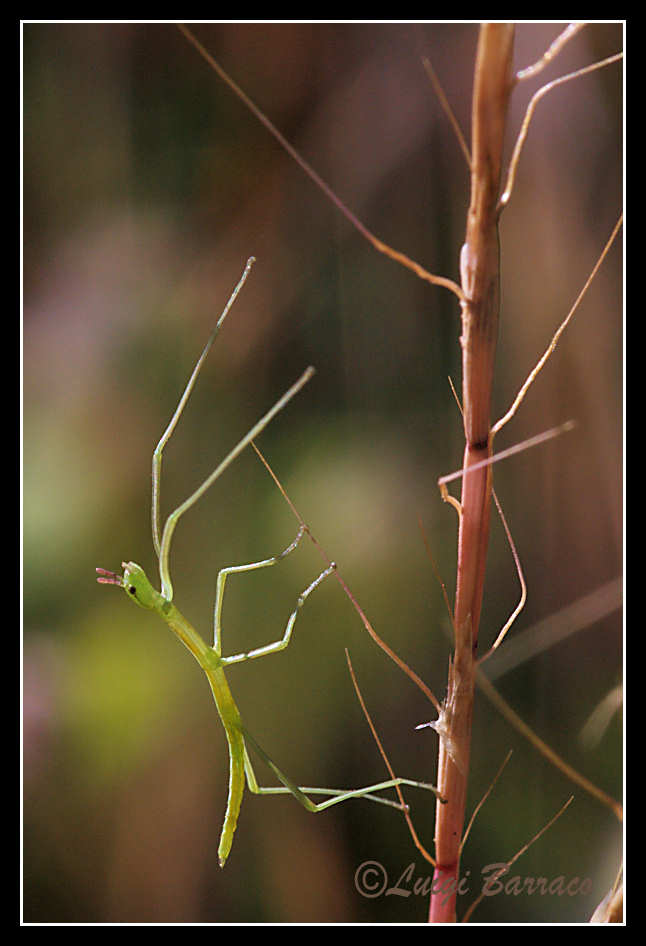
<point>147,184</point>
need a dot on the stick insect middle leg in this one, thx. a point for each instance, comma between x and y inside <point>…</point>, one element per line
<point>252,566</point>
<point>287,785</point>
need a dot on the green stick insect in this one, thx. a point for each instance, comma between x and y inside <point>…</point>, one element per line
<point>139,589</point>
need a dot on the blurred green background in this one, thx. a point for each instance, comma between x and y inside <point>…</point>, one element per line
<point>147,184</point>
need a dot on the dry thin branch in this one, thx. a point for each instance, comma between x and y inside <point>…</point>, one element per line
<point>490,691</point>
<point>410,673</point>
<point>448,498</point>
<point>521,578</point>
<point>514,719</point>
<point>518,854</point>
<point>444,102</point>
<point>531,377</point>
<point>611,908</point>
<point>509,452</point>
<point>435,570</point>
<point>551,53</point>
<point>416,841</point>
<point>520,141</point>
<point>483,800</point>
<point>479,266</point>
<point>318,180</point>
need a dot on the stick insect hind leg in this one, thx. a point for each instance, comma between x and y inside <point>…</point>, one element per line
<point>238,736</point>
<point>288,786</point>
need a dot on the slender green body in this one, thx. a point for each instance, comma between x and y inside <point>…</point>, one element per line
<point>137,586</point>
<point>211,663</point>
<point>139,589</point>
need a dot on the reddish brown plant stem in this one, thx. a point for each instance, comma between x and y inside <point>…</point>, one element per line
<point>479,266</point>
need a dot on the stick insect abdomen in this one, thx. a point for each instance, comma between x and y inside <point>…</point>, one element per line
<point>228,712</point>
<point>236,790</point>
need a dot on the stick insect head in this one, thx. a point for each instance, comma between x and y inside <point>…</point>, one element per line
<point>134,582</point>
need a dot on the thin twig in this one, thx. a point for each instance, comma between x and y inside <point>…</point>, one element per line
<point>318,180</point>
<point>480,276</point>
<point>509,451</point>
<point>444,102</point>
<point>483,800</point>
<point>555,48</point>
<point>520,141</point>
<point>435,569</point>
<point>418,844</point>
<point>525,847</point>
<point>492,694</point>
<point>410,673</point>
<point>531,377</point>
<point>521,578</point>
<point>514,719</point>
